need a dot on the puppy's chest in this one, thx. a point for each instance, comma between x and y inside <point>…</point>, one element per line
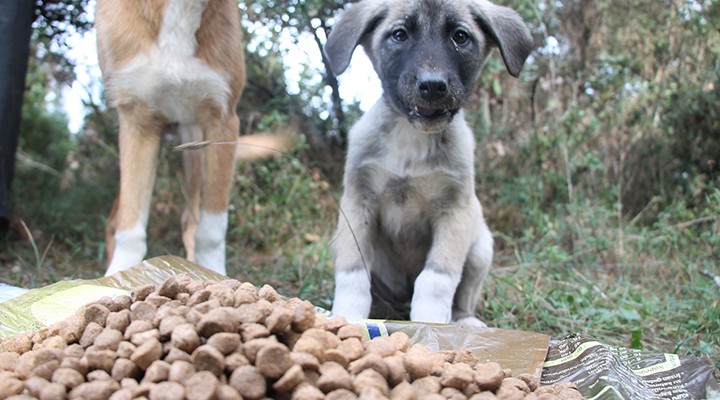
<point>409,188</point>
<point>169,76</point>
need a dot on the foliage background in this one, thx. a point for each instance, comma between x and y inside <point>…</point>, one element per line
<point>598,171</point>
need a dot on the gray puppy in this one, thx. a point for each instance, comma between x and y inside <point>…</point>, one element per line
<point>411,237</point>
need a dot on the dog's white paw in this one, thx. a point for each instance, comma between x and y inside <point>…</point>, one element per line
<point>470,321</point>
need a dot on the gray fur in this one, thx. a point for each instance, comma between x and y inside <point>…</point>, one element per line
<point>411,238</point>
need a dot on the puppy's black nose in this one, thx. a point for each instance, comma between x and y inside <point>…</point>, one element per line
<point>432,86</point>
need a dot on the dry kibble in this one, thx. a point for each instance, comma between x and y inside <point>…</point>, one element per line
<point>181,371</point>
<point>307,391</point>
<point>201,386</point>
<point>334,376</point>
<point>370,378</point>
<point>292,377</point>
<point>249,382</point>
<point>136,327</point>
<point>456,375</point>
<point>167,391</point>
<point>101,359</point>
<point>140,293</point>
<point>52,391</point>
<point>341,394</point>
<point>228,340</point>
<point>208,358</point>
<point>279,320</point>
<point>34,385</point>
<point>92,330</point>
<point>223,319</point>
<point>67,377</point>
<point>97,375</point>
<point>18,344</point>
<point>8,361</point>
<point>352,348</point>
<point>168,324</point>
<point>351,331</point>
<point>146,354</point>
<point>123,368</point>
<point>225,342</point>
<point>185,338</point>
<point>10,387</point>
<point>108,339</point>
<point>95,390</point>
<point>158,371</point>
<point>303,317</point>
<point>96,313</point>
<point>268,293</point>
<point>273,360</point>
<point>451,393</point>
<point>489,376</point>
<point>227,392</point>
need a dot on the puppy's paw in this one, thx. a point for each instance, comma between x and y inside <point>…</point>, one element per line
<point>470,321</point>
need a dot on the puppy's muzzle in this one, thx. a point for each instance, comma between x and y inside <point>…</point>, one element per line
<point>433,100</point>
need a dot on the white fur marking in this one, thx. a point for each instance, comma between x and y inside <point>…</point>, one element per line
<point>168,77</point>
<point>210,241</point>
<point>130,247</point>
<point>180,22</point>
<point>433,297</point>
<point>352,294</point>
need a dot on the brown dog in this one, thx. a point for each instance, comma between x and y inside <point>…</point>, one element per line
<point>411,238</point>
<point>172,65</point>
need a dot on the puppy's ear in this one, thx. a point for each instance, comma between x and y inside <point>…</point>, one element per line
<point>351,30</point>
<point>507,30</point>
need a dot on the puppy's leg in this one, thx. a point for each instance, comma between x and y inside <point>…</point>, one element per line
<point>353,256</point>
<point>218,170</point>
<point>435,287</point>
<point>192,171</point>
<point>139,143</point>
<point>476,269</point>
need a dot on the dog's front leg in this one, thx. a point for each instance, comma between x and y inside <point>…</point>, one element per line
<point>435,287</point>
<point>353,254</point>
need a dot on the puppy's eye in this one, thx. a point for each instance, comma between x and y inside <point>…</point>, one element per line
<point>461,37</point>
<point>399,35</point>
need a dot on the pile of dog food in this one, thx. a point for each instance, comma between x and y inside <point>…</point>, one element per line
<point>189,339</point>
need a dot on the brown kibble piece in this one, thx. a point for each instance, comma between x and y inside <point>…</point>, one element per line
<point>303,317</point>
<point>201,386</point>
<point>273,360</point>
<point>227,392</point>
<point>167,391</point>
<point>334,376</point>
<point>185,338</point>
<point>94,313</point>
<point>96,390</point>
<point>370,378</point>
<point>181,371</point>
<point>249,382</point>
<point>268,293</point>
<point>383,346</point>
<point>306,391</point>
<point>457,376</point>
<point>208,358</point>
<point>147,353</point>
<point>292,377</point>
<point>341,394</point>
<point>225,342</point>
<point>10,387</point>
<point>351,330</point>
<point>67,377</point>
<point>52,391</point>
<point>141,292</point>
<point>488,376</point>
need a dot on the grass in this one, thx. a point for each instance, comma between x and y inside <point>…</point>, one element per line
<point>573,268</point>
